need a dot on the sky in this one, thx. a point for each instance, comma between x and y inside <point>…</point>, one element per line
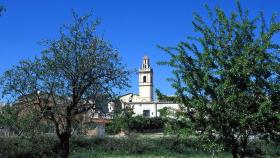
<point>134,27</point>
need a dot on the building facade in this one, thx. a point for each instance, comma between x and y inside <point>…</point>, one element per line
<point>143,103</point>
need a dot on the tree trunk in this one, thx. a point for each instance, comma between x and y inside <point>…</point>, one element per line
<point>242,154</point>
<point>64,144</point>
<point>234,150</point>
<point>243,147</point>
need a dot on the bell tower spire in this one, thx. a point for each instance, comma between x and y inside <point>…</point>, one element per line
<point>146,81</point>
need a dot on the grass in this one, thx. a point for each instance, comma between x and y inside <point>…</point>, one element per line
<point>159,153</point>
<point>142,146</point>
<point>100,154</point>
<point>160,146</point>
<point>135,146</point>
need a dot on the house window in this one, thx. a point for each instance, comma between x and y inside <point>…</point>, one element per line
<point>144,79</point>
<point>146,113</point>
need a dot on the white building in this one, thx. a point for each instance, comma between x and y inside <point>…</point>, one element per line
<point>144,104</point>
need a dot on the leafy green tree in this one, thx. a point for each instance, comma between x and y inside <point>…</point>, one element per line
<point>9,119</point>
<point>122,119</point>
<point>227,77</point>
<point>73,75</point>
<point>18,121</point>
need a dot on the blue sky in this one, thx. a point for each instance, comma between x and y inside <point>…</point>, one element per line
<point>134,27</point>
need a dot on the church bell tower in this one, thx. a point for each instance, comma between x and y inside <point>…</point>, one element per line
<point>146,81</point>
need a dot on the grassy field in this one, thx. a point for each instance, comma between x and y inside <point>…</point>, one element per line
<point>154,145</point>
<point>159,146</point>
<point>89,154</point>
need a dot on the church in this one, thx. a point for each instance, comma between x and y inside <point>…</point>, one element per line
<point>144,103</point>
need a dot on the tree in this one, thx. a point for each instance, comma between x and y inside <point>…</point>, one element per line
<point>73,75</point>
<point>122,118</point>
<point>2,9</point>
<point>227,78</point>
<point>18,121</point>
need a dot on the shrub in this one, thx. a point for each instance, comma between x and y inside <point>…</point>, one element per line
<point>139,124</point>
<point>32,147</point>
<point>125,145</point>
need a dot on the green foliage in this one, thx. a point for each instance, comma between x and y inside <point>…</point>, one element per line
<point>31,147</point>
<point>127,146</point>
<point>180,128</point>
<point>126,121</point>
<point>121,120</point>
<point>147,146</point>
<point>227,78</point>
<point>144,146</point>
<point>162,97</point>
<point>2,9</point>
<point>177,125</point>
<point>140,123</point>
<point>20,122</point>
<point>74,74</point>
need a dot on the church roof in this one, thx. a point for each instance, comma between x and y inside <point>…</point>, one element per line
<point>128,94</point>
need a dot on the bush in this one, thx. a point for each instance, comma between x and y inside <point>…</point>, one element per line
<point>34,147</point>
<point>47,146</point>
<point>139,124</point>
<point>126,146</point>
<point>112,128</point>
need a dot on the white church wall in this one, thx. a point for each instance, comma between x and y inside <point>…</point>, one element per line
<point>145,92</point>
<point>153,108</point>
<point>139,108</point>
